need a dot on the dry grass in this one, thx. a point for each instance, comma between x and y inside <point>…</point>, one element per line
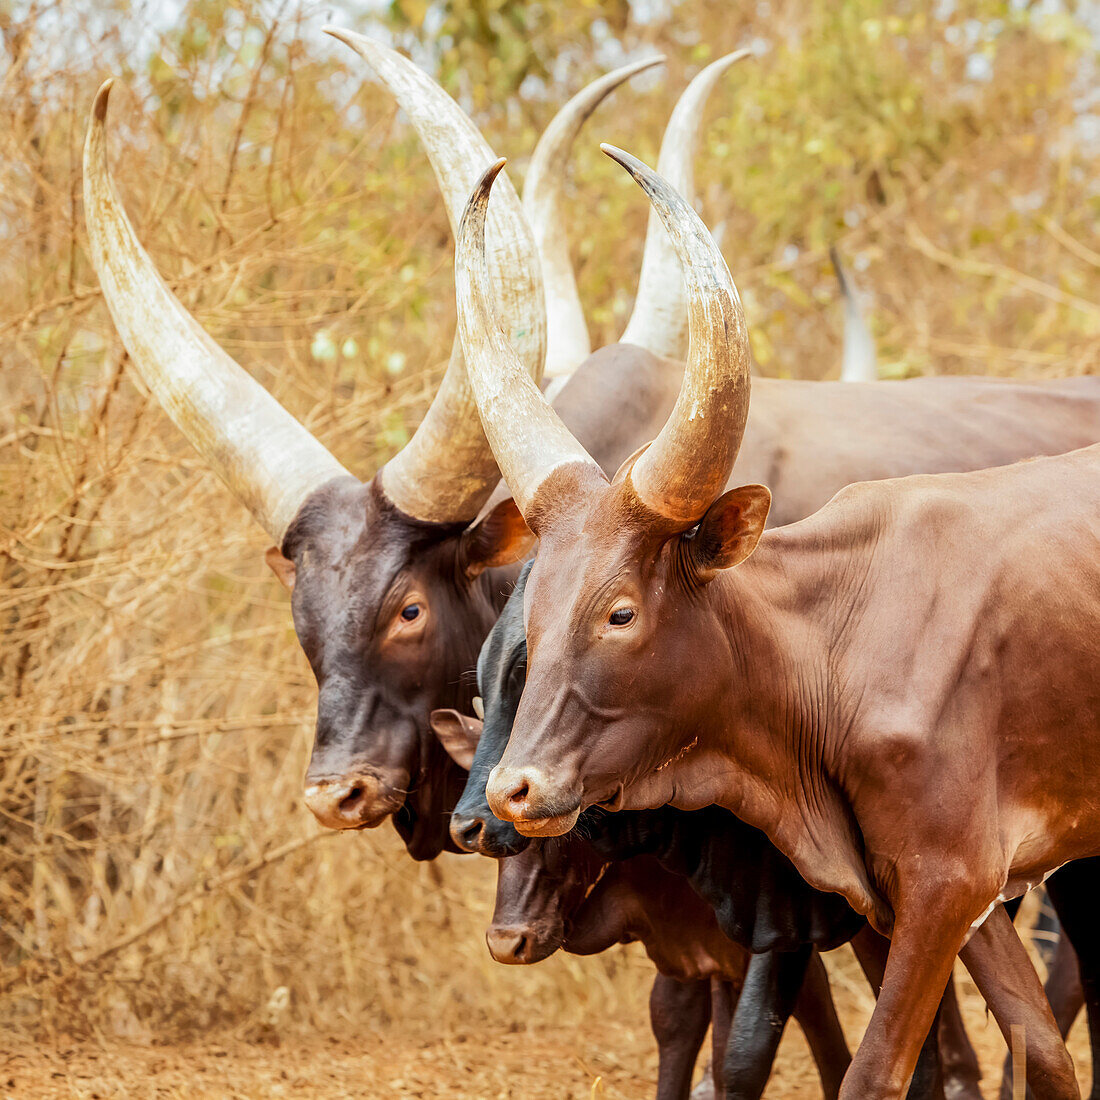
<point>159,875</point>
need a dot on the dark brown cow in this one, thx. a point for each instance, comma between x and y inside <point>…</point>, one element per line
<point>901,691</point>
<point>562,893</point>
<point>395,582</point>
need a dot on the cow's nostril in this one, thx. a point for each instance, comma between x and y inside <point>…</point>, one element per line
<point>466,832</point>
<point>520,794</point>
<point>361,802</point>
<point>507,945</point>
<point>349,801</point>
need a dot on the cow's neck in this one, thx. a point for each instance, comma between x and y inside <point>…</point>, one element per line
<point>767,751</point>
<point>609,914</point>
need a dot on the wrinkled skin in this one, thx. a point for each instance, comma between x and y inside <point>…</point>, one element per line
<point>922,756</point>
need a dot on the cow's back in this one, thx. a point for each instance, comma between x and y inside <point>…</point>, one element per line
<point>807,440</point>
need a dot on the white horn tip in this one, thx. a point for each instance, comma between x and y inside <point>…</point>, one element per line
<point>340,33</point>
<point>99,107</point>
<point>733,58</point>
<point>620,156</point>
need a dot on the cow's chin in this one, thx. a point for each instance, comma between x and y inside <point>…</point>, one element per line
<point>557,825</point>
<point>423,834</point>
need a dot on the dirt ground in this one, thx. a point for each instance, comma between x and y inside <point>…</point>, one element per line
<point>603,1060</point>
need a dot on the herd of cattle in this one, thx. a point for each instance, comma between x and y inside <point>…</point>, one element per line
<point>816,667</point>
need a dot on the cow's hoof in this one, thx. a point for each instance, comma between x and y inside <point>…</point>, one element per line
<point>705,1089</point>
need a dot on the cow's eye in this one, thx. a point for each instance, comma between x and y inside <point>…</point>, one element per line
<point>621,616</point>
<point>410,612</point>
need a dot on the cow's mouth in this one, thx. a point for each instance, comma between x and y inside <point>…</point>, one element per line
<point>424,834</point>
<point>554,825</point>
<point>614,802</point>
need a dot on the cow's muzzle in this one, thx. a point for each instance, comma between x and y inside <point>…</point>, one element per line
<point>532,802</point>
<point>483,834</point>
<point>358,802</point>
<point>520,945</point>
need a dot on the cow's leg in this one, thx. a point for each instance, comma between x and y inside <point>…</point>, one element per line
<point>1075,892</point>
<point>1063,989</point>
<point>723,996</point>
<point>871,951</point>
<point>1063,986</point>
<point>772,985</point>
<point>723,1001</point>
<point>929,927</point>
<point>1006,979</point>
<point>816,1015</point>
<point>679,1013</point>
<point>1047,933</point>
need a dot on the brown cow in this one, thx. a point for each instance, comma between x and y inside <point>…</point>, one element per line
<point>395,582</point>
<point>902,691</point>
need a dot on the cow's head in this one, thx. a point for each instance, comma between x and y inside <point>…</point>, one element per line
<point>390,592</point>
<point>539,893</point>
<point>477,744</point>
<point>389,611</point>
<point>616,614</point>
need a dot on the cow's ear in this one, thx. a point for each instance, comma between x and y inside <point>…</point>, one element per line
<point>499,537</point>
<point>729,531</point>
<point>281,566</point>
<point>458,734</point>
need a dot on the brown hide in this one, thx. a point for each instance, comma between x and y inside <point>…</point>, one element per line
<point>902,691</point>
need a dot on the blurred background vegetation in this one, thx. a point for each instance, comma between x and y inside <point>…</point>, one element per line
<point>158,871</point>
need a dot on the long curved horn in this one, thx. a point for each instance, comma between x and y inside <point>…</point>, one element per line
<point>659,319</point>
<point>447,470</point>
<point>258,449</point>
<point>567,343</point>
<point>528,438</point>
<point>859,362</point>
<point>686,467</point>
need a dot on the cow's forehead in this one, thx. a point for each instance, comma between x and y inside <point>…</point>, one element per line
<point>357,555</point>
<point>351,530</point>
<point>594,553</point>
